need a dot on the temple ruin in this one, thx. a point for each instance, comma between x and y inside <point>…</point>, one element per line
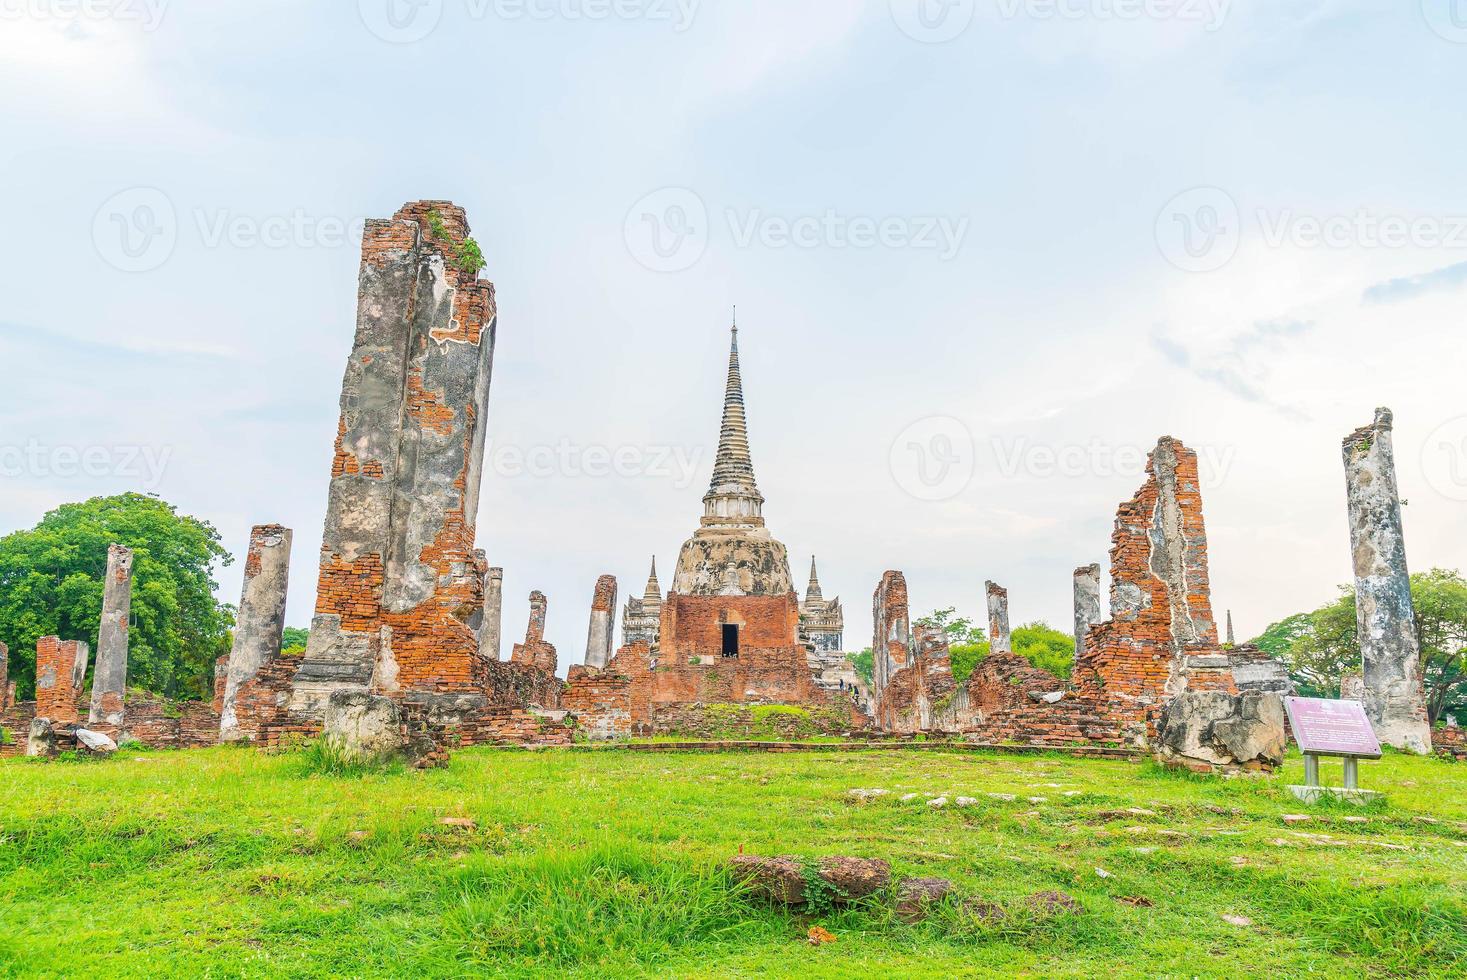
<point>259,623</point>
<point>1395,701</point>
<point>109,679</point>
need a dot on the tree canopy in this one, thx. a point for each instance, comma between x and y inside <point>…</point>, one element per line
<point>51,580</point>
<point>1322,645</point>
<point>1040,644</point>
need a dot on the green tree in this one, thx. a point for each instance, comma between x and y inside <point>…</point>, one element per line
<point>1044,647</point>
<point>1321,645</point>
<point>51,584</point>
<point>864,664</point>
<point>293,640</point>
<point>958,629</point>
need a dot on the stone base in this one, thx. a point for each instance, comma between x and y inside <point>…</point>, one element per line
<point>1313,794</point>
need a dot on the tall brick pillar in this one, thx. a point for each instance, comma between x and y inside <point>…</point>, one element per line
<point>260,625</point>
<point>999,638</point>
<point>535,651</point>
<point>1087,603</point>
<point>399,582</point>
<point>61,666</point>
<point>492,632</point>
<point>4,677</point>
<point>1395,701</point>
<point>599,635</point>
<point>109,676</point>
<point>891,619</point>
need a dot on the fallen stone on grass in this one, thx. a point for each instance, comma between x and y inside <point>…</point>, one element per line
<point>1211,731</point>
<point>1357,820</point>
<point>1101,872</point>
<point>965,801</point>
<point>1241,921</point>
<point>859,796</point>
<point>984,911</point>
<point>938,803</point>
<point>818,936</point>
<point>782,879</point>
<point>914,895</point>
<point>909,797</point>
<point>463,823</point>
<point>95,741</point>
<point>1296,818</point>
<point>1005,797</point>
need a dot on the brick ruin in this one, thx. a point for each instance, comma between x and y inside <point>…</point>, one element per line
<point>535,652</point>
<point>109,680</point>
<point>600,634</point>
<point>259,624</point>
<point>1395,700</point>
<point>1160,640</point>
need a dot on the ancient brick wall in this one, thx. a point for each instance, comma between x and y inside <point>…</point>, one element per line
<point>399,579</point>
<point>601,702</point>
<point>770,666</point>
<point>891,627</point>
<point>61,666</point>
<point>1009,701</point>
<point>922,695</point>
<point>16,721</point>
<point>535,652</point>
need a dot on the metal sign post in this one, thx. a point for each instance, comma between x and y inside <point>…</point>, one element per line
<point>1332,728</point>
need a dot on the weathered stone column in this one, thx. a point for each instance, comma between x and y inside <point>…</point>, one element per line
<point>4,677</point>
<point>61,666</point>
<point>1231,642</point>
<point>892,641</point>
<point>399,581</point>
<point>109,676</point>
<point>261,619</point>
<point>1395,701</point>
<point>492,630</point>
<point>599,636</point>
<point>1087,603</point>
<point>999,638</point>
<point>535,651</point>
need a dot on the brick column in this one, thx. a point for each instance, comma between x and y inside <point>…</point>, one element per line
<point>1395,701</point>
<point>61,666</point>
<point>109,677</point>
<point>891,621</point>
<point>260,624</point>
<point>599,635</point>
<point>999,638</point>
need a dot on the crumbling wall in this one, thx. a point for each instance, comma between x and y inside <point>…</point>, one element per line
<point>61,666</point>
<point>891,630</point>
<point>109,677</point>
<point>1087,603</point>
<point>535,651</point>
<point>1000,638</point>
<point>922,695</point>
<point>399,581</point>
<point>599,634</point>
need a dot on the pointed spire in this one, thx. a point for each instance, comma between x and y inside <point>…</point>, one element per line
<point>733,495</point>
<point>653,592</point>
<point>812,591</point>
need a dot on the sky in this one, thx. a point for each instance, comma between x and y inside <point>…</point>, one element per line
<point>984,253</point>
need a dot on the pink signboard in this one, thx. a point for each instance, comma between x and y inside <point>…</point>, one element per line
<point>1332,727</point>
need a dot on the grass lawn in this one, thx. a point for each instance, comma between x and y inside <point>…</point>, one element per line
<point>229,862</point>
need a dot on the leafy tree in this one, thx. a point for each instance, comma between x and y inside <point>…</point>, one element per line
<point>1321,645</point>
<point>51,580</point>
<point>1044,647</point>
<point>958,629</point>
<point>293,640</point>
<point>865,665</point>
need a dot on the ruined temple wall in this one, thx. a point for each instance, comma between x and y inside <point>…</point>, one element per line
<point>891,630</point>
<point>61,666</point>
<point>399,581</point>
<point>771,665</point>
<point>109,677</point>
<point>922,696</point>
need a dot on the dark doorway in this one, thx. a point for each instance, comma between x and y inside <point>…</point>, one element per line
<point>730,640</point>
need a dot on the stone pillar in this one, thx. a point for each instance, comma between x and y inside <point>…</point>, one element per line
<point>261,619</point>
<point>891,621</point>
<point>535,651</point>
<point>999,639</point>
<point>491,632</point>
<point>61,666</point>
<point>599,636</point>
<point>399,581</point>
<point>5,696</point>
<point>109,676</point>
<point>1395,700</point>
<point>1231,641</point>
<point>1087,603</point>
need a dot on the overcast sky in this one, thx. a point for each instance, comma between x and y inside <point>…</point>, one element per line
<point>984,255</point>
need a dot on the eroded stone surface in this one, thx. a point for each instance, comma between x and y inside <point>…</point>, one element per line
<point>109,676</point>
<point>603,624</point>
<point>260,622</point>
<point>362,726</point>
<point>1214,730</point>
<point>1000,639</point>
<point>1087,603</point>
<point>782,879</point>
<point>491,631</point>
<point>1395,701</point>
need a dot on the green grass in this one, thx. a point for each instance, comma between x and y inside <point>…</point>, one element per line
<point>229,862</point>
